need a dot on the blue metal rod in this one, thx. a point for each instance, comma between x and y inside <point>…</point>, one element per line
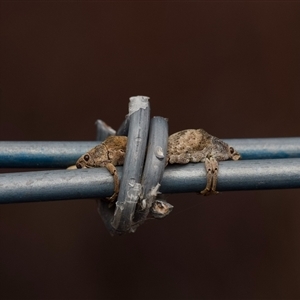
<point>130,184</point>
<point>103,130</point>
<point>64,154</point>
<point>265,148</point>
<point>42,154</point>
<point>94,183</point>
<point>154,165</point>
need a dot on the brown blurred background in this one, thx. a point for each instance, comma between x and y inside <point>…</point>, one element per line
<point>231,68</point>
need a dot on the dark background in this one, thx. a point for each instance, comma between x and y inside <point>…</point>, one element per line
<point>231,68</point>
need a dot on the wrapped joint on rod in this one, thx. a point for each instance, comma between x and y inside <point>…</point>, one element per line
<point>95,183</point>
<point>64,154</point>
<point>130,186</point>
<point>151,178</point>
<point>153,171</point>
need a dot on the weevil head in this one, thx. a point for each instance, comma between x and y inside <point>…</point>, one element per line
<point>234,155</point>
<point>96,157</point>
<point>222,151</point>
<point>85,161</point>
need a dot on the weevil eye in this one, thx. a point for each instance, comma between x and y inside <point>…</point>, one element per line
<point>86,157</point>
<point>231,150</point>
<point>159,205</point>
<point>78,166</point>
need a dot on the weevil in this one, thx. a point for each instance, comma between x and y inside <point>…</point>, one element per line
<point>196,145</point>
<point>108,154</point>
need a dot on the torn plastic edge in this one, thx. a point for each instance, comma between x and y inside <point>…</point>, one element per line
<point>136,103</point>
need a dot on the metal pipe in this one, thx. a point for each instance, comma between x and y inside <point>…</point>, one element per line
<point>265,148</point>
<point>103,130</point>
<point>42,154</point>
<point>94,183</point>
<point>154,168</point>
<point>64,154</point>
<point>130,186</point>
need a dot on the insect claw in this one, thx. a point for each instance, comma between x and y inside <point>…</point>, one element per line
<point>205,192</point>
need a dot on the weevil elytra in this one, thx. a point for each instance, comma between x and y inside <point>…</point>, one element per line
<point>196,145</point>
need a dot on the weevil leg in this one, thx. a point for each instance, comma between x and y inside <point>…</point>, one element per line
<point>215,170</point>
<point>211,166</point>
<point>208,168</point>
<point>113,171</point>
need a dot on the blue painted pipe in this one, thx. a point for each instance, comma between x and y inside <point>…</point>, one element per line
<point>93,183</point>
<point>64,154</point>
